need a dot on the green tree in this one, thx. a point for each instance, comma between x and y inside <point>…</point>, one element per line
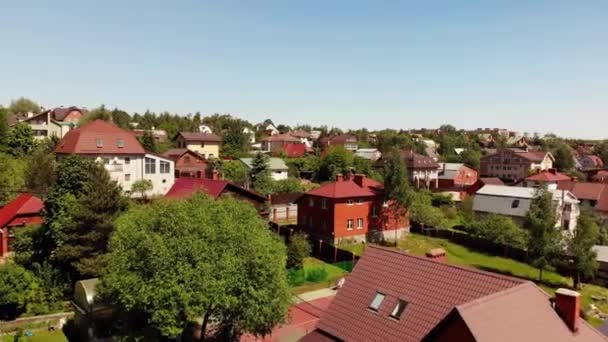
<point>501,230</point>
<point>471,157</point>
<point>205,260</point>
<point>142,186</point>
<point>23,105</point>
<point>17,288</point>
<point>99,113</point>
<point>148,142</point>
<point>11,177</point>
<point>563,158</point>
<point>259,174</point>
<point>20,140</point>
<point>396,187</point>
<point>601,150</point>
<point>336,160</point>
<point>299,248</point>
<point>580,247</point>
<point>3,127</point>
<point>423,212</point>
<point>287,186</point>
<point>40,171</point>
<point>234,170</point>
<point>86,236</point>
<point>544,238</point>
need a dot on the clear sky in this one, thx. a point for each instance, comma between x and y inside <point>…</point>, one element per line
<point>526,65</point>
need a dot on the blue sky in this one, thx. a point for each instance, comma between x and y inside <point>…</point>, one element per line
<point>526,65</point>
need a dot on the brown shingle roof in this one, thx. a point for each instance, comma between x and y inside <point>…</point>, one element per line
<point>84,140</point>
<point>412,160</point>
<point>430,288</point>
<point>198,136</point>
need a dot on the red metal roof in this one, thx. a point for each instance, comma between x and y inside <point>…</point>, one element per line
<point>430,288</point>
<point>295,150</point>
<point>347,188</point>
<point>583,190</point>
<point>186,187</point>
<point>549,176</point>
<point>99,137</point>
<point>22,205</point>
<point>491,181</point>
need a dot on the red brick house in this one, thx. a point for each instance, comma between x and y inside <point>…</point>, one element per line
<point>549,177</point>
<point>187,163</point>
<point>24,210</point>
<point>393,296</point>
<point>350,209</point>
<point>186,187</point>
<point>275,143</point>
<point>347,141</point>
<point>423,171</point>
<point>514,164</point>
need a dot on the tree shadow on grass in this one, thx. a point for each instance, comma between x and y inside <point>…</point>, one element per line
<point>545,282</point>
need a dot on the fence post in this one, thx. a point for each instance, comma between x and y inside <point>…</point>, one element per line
<point>287,212</point>
<point>335,253</point>
<point>353,264</point>
<point>274,214</point>
<point>321,249</point>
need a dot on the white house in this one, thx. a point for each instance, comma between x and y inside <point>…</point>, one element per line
<point>122,155</point>
<point>515,202</point>
<point>53,122</point>
<point>369,153</point>
<point>205,129</point>
<point>278,168</point>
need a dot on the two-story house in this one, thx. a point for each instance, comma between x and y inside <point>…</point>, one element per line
<point>592,196</point>
<point>423,171</point>
<point>515,164</point>
<point>188,163</point>
<point>205,144</point>
<point>54,122</point>
<point>549,178</point>
<point>122,155</point>
<point>275,143</point>
<point>349,209</point>
<point>348,141</point>
<point>515,201</point>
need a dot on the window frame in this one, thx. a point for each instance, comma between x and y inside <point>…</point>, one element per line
<point>398,309</point>
<point>149,167</point>
<point>350,224</point>
<point>379,297</point>
<point>360,223</point>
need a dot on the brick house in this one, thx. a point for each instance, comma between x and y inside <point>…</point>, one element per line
<point>350,209</point>
<point>592,196</point>
<point>394,296</point>
<point>187,163</point>
<point>515,164</point>
<point>24,210</point>
<point>122,155</point>
<point>275,143</point>
<point>423,171</point>
<point>205,144</point>
<point>347,141</point>
<point>549,177</point>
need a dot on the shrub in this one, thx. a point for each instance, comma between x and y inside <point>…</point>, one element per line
<point>299,248</point>
<point>315,275</point>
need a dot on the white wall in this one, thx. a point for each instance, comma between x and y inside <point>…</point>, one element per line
<point>127,174</point>
<point>279,174</point>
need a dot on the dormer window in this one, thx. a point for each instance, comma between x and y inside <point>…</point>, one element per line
<point>515,204</point>
<point>399,308</point>
<point>377,301</point>
<point>99,142</point>
<point>120,143</point>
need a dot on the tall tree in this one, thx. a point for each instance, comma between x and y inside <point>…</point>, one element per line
<point>11,177</point>
<point>23,105</point>
<point>205,260</point>
<point>396,187</point>
<point>563,158</point>
<point>40,171</point>
<point>17,287</point>
<point>259,175</point>
<point>580,247</point>
<point>336,160</point>
<point>544,238</point>
<point>3,127</point>
<point>148,142</point>
<point>81,255</point>
<point>99,113</point>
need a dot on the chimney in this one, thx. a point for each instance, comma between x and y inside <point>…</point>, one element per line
<point>339,177</point>
<point>436,254</point>
<point>215,175</point>
<point>568,307</point>
<point>359,179</point>
<point>553,171</point>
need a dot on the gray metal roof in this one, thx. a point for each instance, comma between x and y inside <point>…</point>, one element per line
<point>508,191</point>
<point>273,163</point>
<point>602,253</point>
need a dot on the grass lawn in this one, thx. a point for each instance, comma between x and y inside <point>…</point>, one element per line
<point>40,336</point>
<point>355,247</point>
<point>317,274</point>
<point>460,255</point>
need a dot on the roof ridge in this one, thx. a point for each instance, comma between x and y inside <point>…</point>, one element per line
<point>501,293</point>
<point>468,269</point>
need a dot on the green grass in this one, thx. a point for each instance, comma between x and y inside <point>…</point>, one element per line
<point>355,247</point>
<point>40,336</point>
<point>317,274</point>
<point>460,255</point>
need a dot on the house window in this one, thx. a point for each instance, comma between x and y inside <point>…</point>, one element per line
<point>360,201</point>
<point>310,222</point>
<point>374,211</point>
<point>311,202</point>
<point>120,143</point>
<point>210,155</point>
<point>515,204</point>
<point>127,160</point>
<point>127,177</point>
<point>106,161</point>
<point>150,166</point>
<point>359,223</point>
<point>349,202</point>
<point>165,167</point>
<point>99,142</point>
<point>398,310</point>
<point>377,301</point>
<point>349,224</point>
<point>202,144</point>
<point>324,203</point>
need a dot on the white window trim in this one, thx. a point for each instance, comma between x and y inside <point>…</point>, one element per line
<point>350,223</point>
